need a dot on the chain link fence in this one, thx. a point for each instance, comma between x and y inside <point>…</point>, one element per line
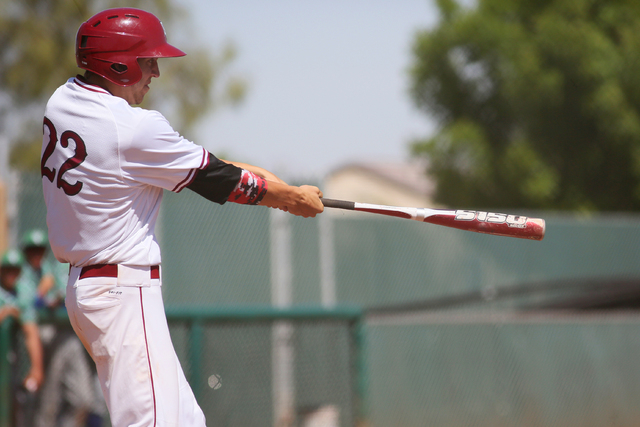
<point>460,328</point>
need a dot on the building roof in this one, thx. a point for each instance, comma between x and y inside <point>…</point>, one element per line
<point>399,183</point>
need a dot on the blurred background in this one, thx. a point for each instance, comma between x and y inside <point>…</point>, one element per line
<point>525,106</point>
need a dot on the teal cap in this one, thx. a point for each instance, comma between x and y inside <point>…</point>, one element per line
<point>35,238</point>
<point>12,258</point>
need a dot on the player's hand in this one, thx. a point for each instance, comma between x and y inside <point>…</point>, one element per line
<point>9,310</point>
<point>308,203</point>
<point>34,379</point>
<point>301,201</point>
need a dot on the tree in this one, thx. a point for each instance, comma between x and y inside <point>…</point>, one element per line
<point>37,55</point>
<point>538,103</point>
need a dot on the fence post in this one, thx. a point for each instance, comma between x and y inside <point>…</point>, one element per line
<point>362,379</point>
<point>5,373</point>
<point>4,220</point>
<point>196,339</point>
<point>282,352</point>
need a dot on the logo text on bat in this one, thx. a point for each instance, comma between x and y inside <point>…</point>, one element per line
<point>515,221</point>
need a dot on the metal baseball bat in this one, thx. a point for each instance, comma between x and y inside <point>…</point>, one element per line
<point>498,224</point>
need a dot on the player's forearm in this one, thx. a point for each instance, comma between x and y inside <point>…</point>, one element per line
<point>46,284</point>
<point>303,201</point>
<point>253,185</point>
<point>263,173</point>
<point>34,349</point>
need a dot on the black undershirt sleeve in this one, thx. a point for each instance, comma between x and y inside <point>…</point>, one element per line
<point>216,181</point>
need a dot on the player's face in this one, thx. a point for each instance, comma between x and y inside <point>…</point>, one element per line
<point>9,277</point>
<point>34,256</point>
<point>134,94</point>
<point>149,67</point>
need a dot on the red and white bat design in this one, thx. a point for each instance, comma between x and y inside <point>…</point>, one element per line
<point>498,224</point>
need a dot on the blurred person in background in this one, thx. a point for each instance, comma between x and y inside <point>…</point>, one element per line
<point>44,274</point>
<point>16,300</point>
<point>68,396</point>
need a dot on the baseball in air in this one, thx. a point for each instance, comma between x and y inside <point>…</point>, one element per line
<point>215,382</point>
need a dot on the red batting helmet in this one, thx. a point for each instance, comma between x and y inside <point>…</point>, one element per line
<point>110,43</point>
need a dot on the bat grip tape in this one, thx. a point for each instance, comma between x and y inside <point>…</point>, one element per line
<point>340,204</point>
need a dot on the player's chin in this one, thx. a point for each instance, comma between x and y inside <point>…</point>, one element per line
<point>139,97</point>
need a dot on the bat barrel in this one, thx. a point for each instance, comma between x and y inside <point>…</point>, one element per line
<point>530,228</point>
<point>498,224</point>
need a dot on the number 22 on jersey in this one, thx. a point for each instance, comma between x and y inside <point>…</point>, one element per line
<point>72,162</point>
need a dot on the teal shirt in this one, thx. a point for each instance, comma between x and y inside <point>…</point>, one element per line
<point>59,271</point>
<point>23,300</point>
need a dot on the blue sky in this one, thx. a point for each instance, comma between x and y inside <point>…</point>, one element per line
<point>328,82</point>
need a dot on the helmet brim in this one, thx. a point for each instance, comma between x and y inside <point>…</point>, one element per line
<point>162,51</point>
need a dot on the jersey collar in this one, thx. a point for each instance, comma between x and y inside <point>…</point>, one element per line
<point>83,83</point>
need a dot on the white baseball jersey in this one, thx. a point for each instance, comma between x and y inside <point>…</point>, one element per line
<point>104,165</point>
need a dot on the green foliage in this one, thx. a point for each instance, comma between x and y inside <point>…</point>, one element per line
<point>37,55</point>
<point>538,103</point>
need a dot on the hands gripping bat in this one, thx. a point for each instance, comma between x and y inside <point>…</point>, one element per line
<point>498,224</point>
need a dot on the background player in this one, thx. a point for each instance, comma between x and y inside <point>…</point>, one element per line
<point>16,300</point>
<point>67,396</point>
<point>47,276</point>
<point>104,167</point>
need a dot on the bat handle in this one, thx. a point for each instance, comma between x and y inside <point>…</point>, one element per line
<point>339,204</point>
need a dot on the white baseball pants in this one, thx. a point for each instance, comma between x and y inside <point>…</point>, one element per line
<point>122,324</point>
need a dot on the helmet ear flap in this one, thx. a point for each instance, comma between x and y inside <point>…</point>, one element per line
<point>123,70</point>
<point>119,68</point>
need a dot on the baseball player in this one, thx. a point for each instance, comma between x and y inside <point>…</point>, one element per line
<point>47,276</point>
<point>104,166</point>
<point>67,393</point>
<point>16,300</point>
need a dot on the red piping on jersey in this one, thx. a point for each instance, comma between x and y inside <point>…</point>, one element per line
<point>144,328</point>
<point>80,81</point>
<point>185,182</point>
<point>192,173</point>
